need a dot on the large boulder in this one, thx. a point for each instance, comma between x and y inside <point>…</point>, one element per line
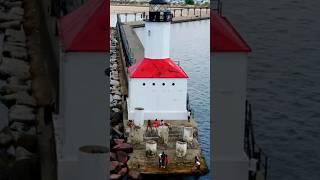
<point>122,157</point>
<point>123,171</point>
<point>4,16</point>
<point>115,176</point>
<point>114,166</point>
<point>11,89</point>
<point>29,142</point>
<point>113,156</point>
<point>21,97</point>
<point>10,24</point>
<point>134,174</point>
<point>17,11</point>
<point>118,141</point>
<point>6,138</point>
<point>18,126</point>
<point>13,67</point>
<point>12,4</point>
<point>116,117</point>
<point>22,153</point>
<point>15,35</point>
<point>114,83</point>
<point>128,148</point>
<point>11,151</point>
<point>117,97</point>
<point>13,51</point>
<point>22,113</point>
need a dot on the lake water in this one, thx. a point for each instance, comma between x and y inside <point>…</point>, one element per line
<point>283,81</point>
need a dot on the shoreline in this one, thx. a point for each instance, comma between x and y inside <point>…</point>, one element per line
<point>122,9</point>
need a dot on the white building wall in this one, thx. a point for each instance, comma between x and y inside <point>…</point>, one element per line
<point>85,104</point>
<point>229,95</point>
<point>166,102</point>
<point>157,40</point>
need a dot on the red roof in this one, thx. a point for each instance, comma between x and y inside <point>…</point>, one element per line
<point>156,68</point>
<point>86,28</point>
<point>225,38</point>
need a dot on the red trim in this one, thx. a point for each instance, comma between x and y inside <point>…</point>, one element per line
<point>224,37</point>
<point>156,68</point>
<point>86,29</point>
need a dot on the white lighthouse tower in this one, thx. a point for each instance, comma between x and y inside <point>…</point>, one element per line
<point>156,83</point>
<point>230,54</point>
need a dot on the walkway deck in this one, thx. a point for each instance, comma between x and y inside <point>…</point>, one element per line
<point>177,166</point>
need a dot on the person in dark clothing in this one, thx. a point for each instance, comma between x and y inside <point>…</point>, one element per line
<point>161,123</point>
<point>166,160</point>
<point>149,125</point>
<point>160,163</point>
<point>197,162</point>
<point>162,160</point>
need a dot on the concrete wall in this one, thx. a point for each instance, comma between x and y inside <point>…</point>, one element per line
<point>157,40</point>
<point>229,95</point>
<point>166,102</point>
<point>83,101</point>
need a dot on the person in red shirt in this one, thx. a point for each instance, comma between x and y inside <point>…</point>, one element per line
<point>155,124</point>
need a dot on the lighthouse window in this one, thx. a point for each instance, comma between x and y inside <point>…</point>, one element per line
<point>163,84</point>
<point>149,32</point>
<point>143,84</point>
<point>173,84</point>
<point>153,84</point>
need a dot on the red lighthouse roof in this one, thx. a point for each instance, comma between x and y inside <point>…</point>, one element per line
<point>156,68</point>
<point>224,37</point>
<point>86,28</point>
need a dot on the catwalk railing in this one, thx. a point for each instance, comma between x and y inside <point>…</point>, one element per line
<point>176,13</point>
<point>129,59</point>
<point>253,151</point>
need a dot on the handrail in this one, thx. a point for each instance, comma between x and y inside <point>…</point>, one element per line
<point>127,50</point>
<point>250,146</point>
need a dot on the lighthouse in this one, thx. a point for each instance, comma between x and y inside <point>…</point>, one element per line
<point>229,55</point>
<point>157,84</point>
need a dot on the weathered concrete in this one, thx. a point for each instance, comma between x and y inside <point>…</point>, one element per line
<point>176,166</point>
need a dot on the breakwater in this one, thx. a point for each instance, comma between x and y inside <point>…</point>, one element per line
<point>19,153</point>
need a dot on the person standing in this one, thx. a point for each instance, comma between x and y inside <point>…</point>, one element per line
<point>160,162</point>
<point>155,124</point>
<point>166,160</point>
<point>197,162</point>
<point>149,125</point>
<point>161,122</point>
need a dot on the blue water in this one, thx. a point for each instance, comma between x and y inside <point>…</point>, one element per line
<point>283,81</point>
<point>190,45</point>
